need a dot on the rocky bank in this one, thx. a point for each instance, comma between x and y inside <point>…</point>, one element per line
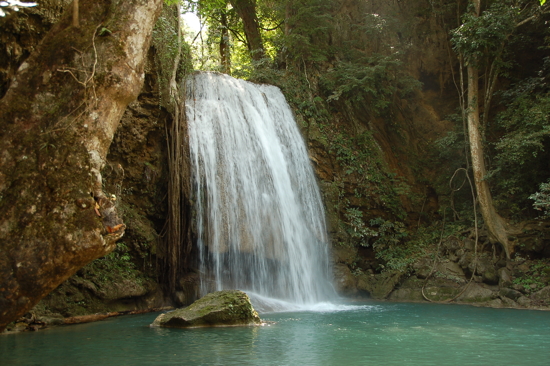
<point>455,271</point>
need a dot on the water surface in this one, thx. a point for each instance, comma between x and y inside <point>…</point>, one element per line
<point>372,334</point>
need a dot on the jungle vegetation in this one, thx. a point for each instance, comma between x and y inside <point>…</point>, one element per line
<point>330,56</point>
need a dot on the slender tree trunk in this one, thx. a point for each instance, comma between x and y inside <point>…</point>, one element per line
<point>225,53</point>
<point>57,121</point>
<point>496,226</point>
<point>477,7</point>
<point>76,14</point>
<point>247,12</point>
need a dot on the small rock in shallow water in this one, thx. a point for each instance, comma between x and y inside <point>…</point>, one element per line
<point>221,308</point>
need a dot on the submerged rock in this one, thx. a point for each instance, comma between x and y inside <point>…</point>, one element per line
<point>221,308</point>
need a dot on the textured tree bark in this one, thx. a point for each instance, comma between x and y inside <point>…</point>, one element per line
<point>496,226</point>
<point>57,121</point>
<point>247,12</point>
<point>225,55</point>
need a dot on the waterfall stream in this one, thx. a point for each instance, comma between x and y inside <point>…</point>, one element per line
<point>259,216</point>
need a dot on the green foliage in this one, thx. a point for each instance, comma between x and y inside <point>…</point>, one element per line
<point>485,35</point>
<point>310,24</point>
<point>527,122</point>
<point>376,81</point>
<point>114,266</point>
<point>104,32</point>
<point>120,257</point>
<point>364,173</point>
<point>535,278</point>
<point>399,249</point>
<point>490,43</point>
<point>522,160</point>
<point>389,233</point>
<point>356,228</point>
<point>361,162</point>
<point>394,245</point>
<point>542,199</point>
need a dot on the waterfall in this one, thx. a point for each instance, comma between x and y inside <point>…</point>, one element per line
<point>259,217</point>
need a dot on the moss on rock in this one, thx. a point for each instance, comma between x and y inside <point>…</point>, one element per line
<point>221,308</point>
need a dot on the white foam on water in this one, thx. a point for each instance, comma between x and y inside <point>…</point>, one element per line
<point>264,305</point>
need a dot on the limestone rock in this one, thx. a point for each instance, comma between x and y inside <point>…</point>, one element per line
<point>344,281</point>
<point>344,254</point>
<point>476,293</point>
<point>510,293</point>
<point>542,295</point>
<point>524,301</point>
<point>480,265</point>
<point>451,270</point>
<point>384,284</point>
<point>451,245</point>
<point>466,260</point>
<point>509,303</point>
<point>441,292</point>
<point>469,244</point>
<point>125,288</point>
<point>406,294</point>
<point>490,276</point>
<point>496,303</point>
<point>365,282</point>
<point>504,277</point>
<point>422,267</point>
<point>221,308</point>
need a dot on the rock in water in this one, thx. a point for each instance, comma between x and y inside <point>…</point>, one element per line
<point>221,308</point>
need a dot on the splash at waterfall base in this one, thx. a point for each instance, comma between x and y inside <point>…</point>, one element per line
<point>259,218</point>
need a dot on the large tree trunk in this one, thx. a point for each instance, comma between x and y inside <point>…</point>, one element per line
<point>57,121</point>
<point>496,226</point>
<point>247,12</point>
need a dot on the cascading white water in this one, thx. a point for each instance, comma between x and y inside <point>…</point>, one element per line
<point>259,217</point>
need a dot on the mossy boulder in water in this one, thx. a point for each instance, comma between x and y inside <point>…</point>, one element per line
<point>221,308</point>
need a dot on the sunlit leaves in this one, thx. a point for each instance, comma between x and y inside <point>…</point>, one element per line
<point>484,35</point>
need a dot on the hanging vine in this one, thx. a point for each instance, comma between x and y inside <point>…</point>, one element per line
<point>172,62</point>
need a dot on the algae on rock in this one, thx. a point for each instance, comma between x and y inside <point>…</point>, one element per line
<point>220,308</point>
